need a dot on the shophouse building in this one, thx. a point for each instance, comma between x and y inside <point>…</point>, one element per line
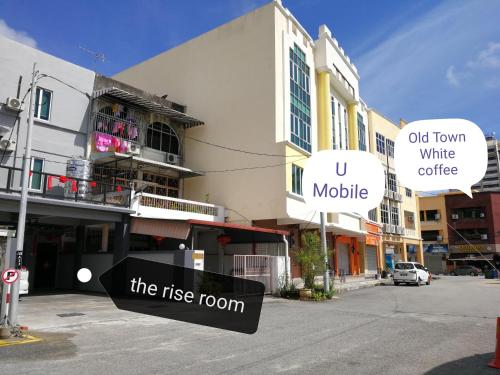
<point>271,95</point>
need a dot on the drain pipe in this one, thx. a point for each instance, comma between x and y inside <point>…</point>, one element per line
<point>287,266</point>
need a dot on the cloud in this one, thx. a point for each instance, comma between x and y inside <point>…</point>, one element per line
<point>452,77</point>
<point>440,64</point>
<point>18,36</point>
<point>488,57</point>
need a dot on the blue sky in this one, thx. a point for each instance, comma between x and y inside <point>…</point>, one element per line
<point>417,59</point>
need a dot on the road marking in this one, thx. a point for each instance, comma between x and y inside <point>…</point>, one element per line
<point>25,340</point>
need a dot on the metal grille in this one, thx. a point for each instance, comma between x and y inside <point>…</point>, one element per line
<point>254,267</point>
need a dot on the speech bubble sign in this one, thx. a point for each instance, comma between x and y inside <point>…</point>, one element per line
<point>441,154</point>
<point>343,181</point>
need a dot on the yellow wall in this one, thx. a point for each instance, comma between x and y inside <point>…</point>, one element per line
<point>324,112</point>
<point>435,203</point>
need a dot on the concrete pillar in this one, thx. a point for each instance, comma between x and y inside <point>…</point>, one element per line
<point>420,253</point>
<point>122,239</point>
<point>105,237</point>
<point>80,247</point>
<point>404,252</point>
<point>325,137</point>
<point>352,115</point>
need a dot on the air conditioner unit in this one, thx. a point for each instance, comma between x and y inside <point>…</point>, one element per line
<point>484,236</point>
<point>400,230</point>
<point>454,216</point>
<point>398,197</point>
<point>134,149</point>
<point>439,238</point>
<point>387,193</point>
<point>7,145</point>
<point>437,216</point>
<point>173,159</point>
<point>392,229</point>
<point>14,104</point>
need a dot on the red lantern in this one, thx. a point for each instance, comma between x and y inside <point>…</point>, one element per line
<point>74,188</point>
<point>31,173</point>
<point>223,239</point>
<point>93,184</point>
<point>158,239</point>
<point>63,179</point>
<point>119,188</point>
<point>49,182</point>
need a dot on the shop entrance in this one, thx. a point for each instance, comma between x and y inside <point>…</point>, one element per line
<point>45,266</point>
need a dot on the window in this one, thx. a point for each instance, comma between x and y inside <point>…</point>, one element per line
<point>300,99</point>
<point>408,192</point>
<point>430,235</point>
<point>422,215</point>
<point>380,143</point>
<point>404,266</point>
<point>334,141</point>
<point>35,181</point>
<point>432,215</point>
<point>162,137</point>
<point>43,101</point>
<point>390,148</point>
<point>372,214</point>
<point>395,215</point>
<point>392,182</point>
<point>470,213</point>
<point>340,127</point>
<point>384,213</point>
<point>361,133</point>
<point>297,179</point>
<point>473,234</point>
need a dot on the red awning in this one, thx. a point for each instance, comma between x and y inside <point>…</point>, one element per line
<point>249,228</point>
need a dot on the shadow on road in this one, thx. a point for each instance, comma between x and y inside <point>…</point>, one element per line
<point>473,365</point>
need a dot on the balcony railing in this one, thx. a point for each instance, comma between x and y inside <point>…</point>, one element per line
<point>157,206</point>
<point>47,185</point>
<point>127,129</point>
<point>410,232</point>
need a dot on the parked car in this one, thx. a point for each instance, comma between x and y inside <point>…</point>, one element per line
<point>411,273</point>
<point>465,270</point>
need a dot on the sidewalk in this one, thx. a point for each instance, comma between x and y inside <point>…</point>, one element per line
<point>349,283</point>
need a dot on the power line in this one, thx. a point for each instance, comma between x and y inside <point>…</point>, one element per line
<point>240,150</point>
<point>251,168</point>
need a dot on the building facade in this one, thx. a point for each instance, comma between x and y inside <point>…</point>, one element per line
<point>434,232</point>
<point>474,227</point>
<point>491,179</point>
<point>398,210</point>
<point>274,95</point>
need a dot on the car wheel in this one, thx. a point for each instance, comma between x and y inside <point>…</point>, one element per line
<point>453,273</point>
<point>419,282</point>
<point>428,282</point>
<point>472,273</point>
<point>396,283</point>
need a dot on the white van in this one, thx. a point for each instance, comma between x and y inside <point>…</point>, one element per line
<point>410,273</point>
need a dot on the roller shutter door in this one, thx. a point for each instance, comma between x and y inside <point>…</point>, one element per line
<point>371,259</point>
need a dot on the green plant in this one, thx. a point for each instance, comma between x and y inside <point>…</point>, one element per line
<point>310,259</point>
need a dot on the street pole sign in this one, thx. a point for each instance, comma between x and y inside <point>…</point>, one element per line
<point>10,276</point>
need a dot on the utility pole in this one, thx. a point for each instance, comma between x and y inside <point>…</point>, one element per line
<point>326,276</point>
<point>21,224</point>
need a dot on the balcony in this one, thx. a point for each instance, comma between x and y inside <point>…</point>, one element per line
<point>410,233</point>
<point>54,186</point>
<point>161,207</point>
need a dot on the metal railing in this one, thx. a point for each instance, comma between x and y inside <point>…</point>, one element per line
<point>48,185</point>
<point>254,267</point>
<point>116,126</point>
<point>176,204</point>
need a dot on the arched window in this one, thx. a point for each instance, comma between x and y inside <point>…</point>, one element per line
<point>162,137</point>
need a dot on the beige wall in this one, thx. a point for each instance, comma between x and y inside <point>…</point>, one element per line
<point>226,77</point>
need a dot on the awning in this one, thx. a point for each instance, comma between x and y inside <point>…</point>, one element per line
<point>147,165</point>
<point>162,228</point>
<point>150,102</point>
<point>243,233</point>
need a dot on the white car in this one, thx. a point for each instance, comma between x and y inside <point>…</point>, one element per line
<point>411,273</point>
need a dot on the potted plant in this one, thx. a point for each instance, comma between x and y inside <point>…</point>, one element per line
<point>311,261</point>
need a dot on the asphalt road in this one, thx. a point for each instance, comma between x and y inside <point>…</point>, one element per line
<point>445,328</point>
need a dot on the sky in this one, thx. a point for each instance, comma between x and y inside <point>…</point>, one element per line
<point>418,59</point>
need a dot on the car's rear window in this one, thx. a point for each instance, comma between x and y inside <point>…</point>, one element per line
<point>404,266</point>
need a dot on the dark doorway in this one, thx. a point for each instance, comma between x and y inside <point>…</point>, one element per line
<point>45,267</point>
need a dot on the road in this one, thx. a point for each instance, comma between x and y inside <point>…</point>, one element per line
<point>445,328</point>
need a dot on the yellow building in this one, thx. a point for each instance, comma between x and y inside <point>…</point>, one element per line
<point>434,231</point>
<point>399,208</point>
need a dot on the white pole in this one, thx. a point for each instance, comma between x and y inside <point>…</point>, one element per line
<point>23,204</point>
<point>326,281</point>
